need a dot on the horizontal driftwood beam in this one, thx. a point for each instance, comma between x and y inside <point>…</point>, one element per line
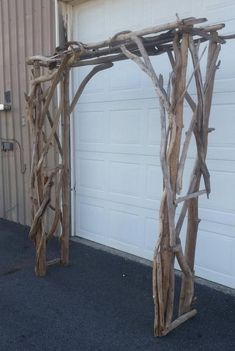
<point>157,40</point>
<point>147,31</point>
<point>179,321</point>
<point>151,51</point>
<point>190,196</point>
<point>117,57</point>
<point>149,42</point>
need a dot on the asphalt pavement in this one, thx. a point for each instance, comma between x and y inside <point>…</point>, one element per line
<point>100,302</point>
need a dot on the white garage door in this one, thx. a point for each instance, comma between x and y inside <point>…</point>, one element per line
<point>116,140</point>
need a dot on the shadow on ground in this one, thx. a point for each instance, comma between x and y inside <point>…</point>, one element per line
<point>100,302</point>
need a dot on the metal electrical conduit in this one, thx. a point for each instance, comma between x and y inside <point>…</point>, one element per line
<point>22,164</point>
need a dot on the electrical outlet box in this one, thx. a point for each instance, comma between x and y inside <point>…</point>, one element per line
<point>23,121</point>
<point>5,107</point>
<point>7,146</point>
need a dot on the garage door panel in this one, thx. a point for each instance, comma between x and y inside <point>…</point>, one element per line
<point>117,140</point>
<point>118,22</point>
<point>91,174</point>
<point>153,183</point>
<point>219,217</point>
<point>141,14</point>
<point>223,114</point>
<point>116,221</point>
<point>221,165</point>
<point>154,127</point>
<point>125,178</point>
<point>91,127</point>
<point>92,219</point>
<point>126,126</point>
<point>221,12</point>
<point>88,13</point>
<point>97,84</point>
<point>210,245</point>
<point>124,225</point>
<point>224,85</point>
<point>226,154</point>
<point>227,61</point>
<point>126,149</point>
<point>115,105</point>
<point>221,97</point>
<point>224,93</point>
<point>161,13</point>
<point>119,80</point>
<point>218,4</point>
<point>216,225</point>
<point>123,81</point>
<point>150,237</point>
<point>220,198</point>
<point>123,182</point>
<point>224,279</point>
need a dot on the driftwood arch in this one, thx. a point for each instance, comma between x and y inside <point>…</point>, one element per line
<point>177,40</point>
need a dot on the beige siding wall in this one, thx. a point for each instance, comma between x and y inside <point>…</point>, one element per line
<point>27,27</point>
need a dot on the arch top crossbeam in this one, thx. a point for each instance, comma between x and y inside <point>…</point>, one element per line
<point>157,40</point>
<point>50,189</point>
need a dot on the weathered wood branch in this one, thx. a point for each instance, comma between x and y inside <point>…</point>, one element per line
<point>57,209</point>
<point>64,238</point>
<point>147,68</point>
<point>54,84</point>
<point>45,201</point>
<point>50,137</point>
<point>176,323</point>
<point>84,83</point>
<point>122,38</point>
<point>190,196</point>
<point>45,78</point>
<point>50,120</point>
<point>201,134</point>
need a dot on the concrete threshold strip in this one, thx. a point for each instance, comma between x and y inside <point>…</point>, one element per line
<point>144,261</point>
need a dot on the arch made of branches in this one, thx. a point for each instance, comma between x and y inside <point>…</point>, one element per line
<point>177,41</point>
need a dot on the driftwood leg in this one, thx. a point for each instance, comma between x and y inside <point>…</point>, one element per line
<point>204,93</point>
<point>66,170</point>
<point>167,246</point>
<point>173,162</point>
<point>41,180</point>
<point>40,240</point>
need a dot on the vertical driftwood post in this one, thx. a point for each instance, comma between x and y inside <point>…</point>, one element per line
<point>201,131</point>
<point>173,155</point>
<point>165,253</point>
<point>168,245</point>
<point>42,178</point>
<point>40,239</point>
<point>66,169</point>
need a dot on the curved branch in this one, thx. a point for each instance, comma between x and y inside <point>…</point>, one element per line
<point>43,206</point>
<point>147,67</point>
<point>85,81</point>
<point>57,215</point>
